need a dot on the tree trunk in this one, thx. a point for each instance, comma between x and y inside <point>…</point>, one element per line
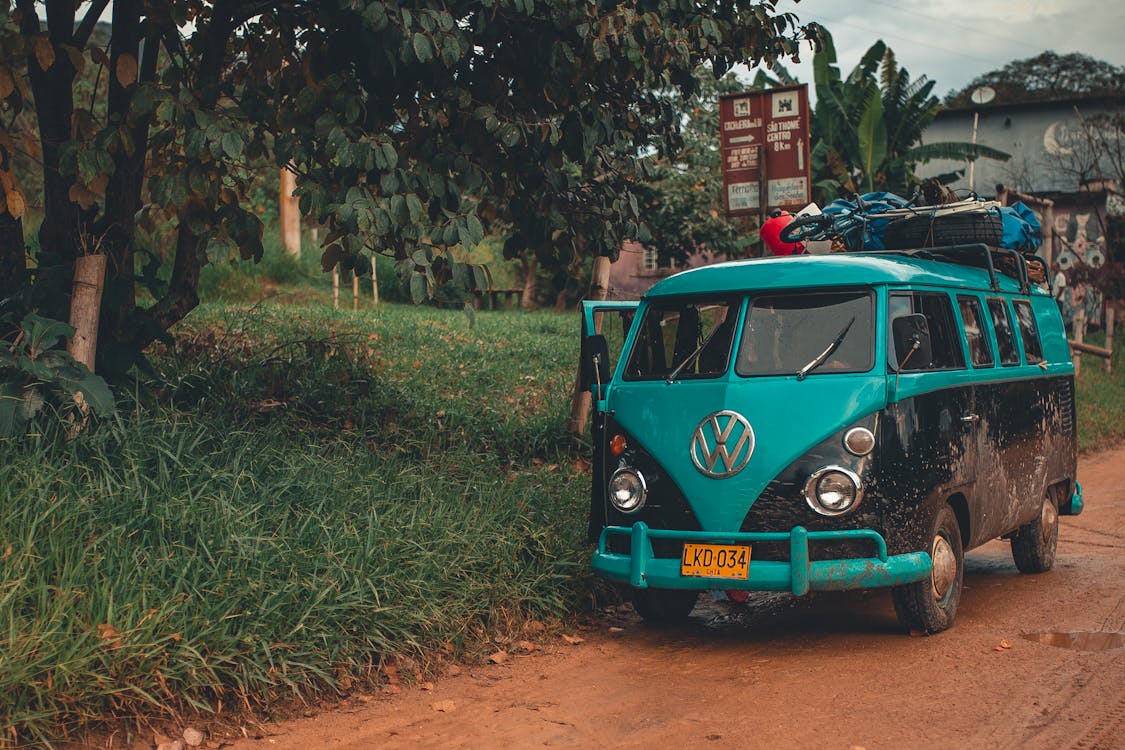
<point>13,255</point>
<point>54,107</point>
<point>182,295</point>
<point>530,269</point>
<point>289,214</point>
<point>117,227</point>
<point>580,399</point>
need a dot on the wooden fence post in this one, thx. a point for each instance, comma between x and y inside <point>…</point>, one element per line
<point>580,400</point>
<point>1079,334</point>
<point>85,307</point>
<point>374,283</point>
<point>289,214</point>
<point>1110,314</point>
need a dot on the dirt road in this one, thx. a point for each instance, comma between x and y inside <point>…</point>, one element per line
<point>827,671</point>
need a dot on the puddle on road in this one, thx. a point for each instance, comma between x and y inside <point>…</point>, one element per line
<point>1080,641</point>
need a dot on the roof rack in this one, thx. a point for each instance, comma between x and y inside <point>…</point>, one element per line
<point>1013,263</point>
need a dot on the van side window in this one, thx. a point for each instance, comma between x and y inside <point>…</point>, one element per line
<point>945,339</point>
<point>1029,332</point>
<point>980,353</point>
<point>1002,324</point>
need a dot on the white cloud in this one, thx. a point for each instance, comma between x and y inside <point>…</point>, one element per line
<point>955,41</point>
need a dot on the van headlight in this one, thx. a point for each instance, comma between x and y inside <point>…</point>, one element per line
<point>833,490</point>
<point>627,490</point>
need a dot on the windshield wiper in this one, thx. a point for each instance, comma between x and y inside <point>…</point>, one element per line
<point>691,357</point>
<point>819,359</point>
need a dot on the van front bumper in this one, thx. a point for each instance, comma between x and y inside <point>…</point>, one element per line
<point>642,569</point>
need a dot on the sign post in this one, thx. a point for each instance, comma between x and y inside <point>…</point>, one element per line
<point>764,137</point>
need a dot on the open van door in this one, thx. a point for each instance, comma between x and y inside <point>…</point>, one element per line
<point>604,328</point>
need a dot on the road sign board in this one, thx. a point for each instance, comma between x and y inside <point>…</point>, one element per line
<point>764,137</point>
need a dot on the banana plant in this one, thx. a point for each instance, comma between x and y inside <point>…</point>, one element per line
<point>867,128</point>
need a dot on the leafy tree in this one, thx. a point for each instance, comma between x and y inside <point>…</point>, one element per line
<point>867,128</point>
<point>412,126</point>
<point>682,201</point>
<point>1046,76</point>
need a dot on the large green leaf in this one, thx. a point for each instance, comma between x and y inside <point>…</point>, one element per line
<point>42,333</point>
<point>872,139</point>
<point>867,64</point>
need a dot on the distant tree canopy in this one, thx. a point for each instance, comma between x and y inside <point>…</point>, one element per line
<point>1046,76</point>
<point>411,126</point>
<point>682,198</point>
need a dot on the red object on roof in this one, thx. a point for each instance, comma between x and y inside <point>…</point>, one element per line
<point>771,235</point>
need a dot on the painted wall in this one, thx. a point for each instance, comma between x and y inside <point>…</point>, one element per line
<point>628,278</point>
<point>1040,136</point>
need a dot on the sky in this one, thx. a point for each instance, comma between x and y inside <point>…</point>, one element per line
<point>954,41</point>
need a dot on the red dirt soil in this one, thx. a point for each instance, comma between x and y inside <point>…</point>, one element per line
<point>824,671</point>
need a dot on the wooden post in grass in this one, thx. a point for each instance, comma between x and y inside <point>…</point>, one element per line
<point>1110,314</point>
<point>336,288</point>
<point>1079,334</point>
<point>355,290</point>
<point>580,399</point>
<point>374,283</point>
<point>289,214</point>
<point>85,308</point>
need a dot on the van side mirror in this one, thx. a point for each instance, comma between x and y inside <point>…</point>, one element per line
<point>911,335</point>
<point>594,366</point>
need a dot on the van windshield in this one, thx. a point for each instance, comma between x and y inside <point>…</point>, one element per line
<point>684,339</point>
<point>810,333</point>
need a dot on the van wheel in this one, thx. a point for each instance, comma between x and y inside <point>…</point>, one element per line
<point>931,604</point>
<point>664,605</point>
<point>1033,544</point>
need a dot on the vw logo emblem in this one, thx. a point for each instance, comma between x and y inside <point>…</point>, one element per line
<point>722,444</point>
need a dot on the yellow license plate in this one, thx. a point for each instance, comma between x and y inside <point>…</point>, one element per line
<point>715,561</point>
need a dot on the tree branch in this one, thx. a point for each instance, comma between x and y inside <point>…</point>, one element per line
<point>89,23</point>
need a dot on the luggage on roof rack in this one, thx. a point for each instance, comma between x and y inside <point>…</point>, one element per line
<point>1026,268</point>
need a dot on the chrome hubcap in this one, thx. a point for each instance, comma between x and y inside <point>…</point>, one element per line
<point>945,566</point>
<point>1049,522</point>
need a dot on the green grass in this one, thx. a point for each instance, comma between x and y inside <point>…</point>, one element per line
<point>298,496</point>
<point>1101,395</point>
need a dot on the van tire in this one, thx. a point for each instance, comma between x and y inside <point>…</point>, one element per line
<point>929,606</point>
<point>664,605</point>
<point>1034,543</point>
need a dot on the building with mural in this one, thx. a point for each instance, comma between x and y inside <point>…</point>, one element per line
<point>1055,171</point>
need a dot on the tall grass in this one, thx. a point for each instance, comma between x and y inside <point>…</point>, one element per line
<point>299,495</point>
<point>1101,395</point>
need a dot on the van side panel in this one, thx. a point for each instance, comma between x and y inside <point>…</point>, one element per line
<point>1029,446</point>
<point>927,454</point>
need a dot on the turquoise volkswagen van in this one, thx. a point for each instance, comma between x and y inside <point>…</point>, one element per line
<point>831,422</point>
